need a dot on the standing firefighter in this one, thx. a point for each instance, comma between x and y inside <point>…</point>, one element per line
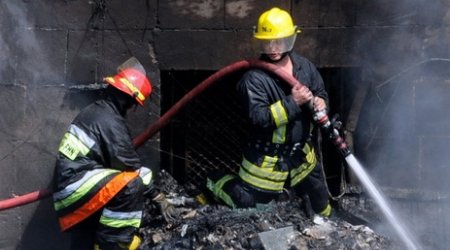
<point>279,153</point>
<point>100,183</point>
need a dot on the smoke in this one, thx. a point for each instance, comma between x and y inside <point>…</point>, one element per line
<point>24,60</point>
<point>404,132</point>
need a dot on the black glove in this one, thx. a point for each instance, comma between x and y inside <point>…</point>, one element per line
<point>168,211</point>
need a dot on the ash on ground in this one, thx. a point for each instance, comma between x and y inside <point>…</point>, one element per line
<point>277,225</point>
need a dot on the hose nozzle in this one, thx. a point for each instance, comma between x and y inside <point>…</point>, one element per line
<point>332,129</point>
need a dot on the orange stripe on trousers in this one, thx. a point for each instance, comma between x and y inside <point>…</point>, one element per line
<point>103,196</point>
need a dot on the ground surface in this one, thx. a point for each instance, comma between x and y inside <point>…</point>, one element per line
<point>278,225</point>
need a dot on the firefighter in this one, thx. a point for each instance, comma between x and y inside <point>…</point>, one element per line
<point>99,181</point>
<point>279,153</point>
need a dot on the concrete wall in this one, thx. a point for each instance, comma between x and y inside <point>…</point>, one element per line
<point>54,52</point>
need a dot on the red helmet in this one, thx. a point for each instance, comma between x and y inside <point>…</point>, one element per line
<point>132,80</point>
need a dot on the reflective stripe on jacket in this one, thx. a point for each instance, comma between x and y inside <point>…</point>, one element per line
<point>96,160</point>
<point>270,173</point>
<point>265,175</point>
<point>299,172</point>
<point>77,190</point>
<point>279,115</point>
<point>268,103</point>
<point>116,219</point>
<point>98,201</point>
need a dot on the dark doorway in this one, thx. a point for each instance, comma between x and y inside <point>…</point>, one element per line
<point>208,133</point>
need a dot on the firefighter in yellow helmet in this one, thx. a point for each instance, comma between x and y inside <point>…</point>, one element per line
<point>279,153</point>
<point>100,183</point>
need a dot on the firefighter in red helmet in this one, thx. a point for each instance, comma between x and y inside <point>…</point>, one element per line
<point>100,182</point>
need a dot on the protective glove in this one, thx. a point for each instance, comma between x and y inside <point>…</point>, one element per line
<point>168,211</point>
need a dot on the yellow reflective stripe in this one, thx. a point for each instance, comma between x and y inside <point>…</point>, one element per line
<point>121,219</point>
<point>279,114</point>
<point>120,223</point>
<point>260,183</point>
<point>69,189</point>
<point>109,79</point>
<point>268,162</point>
<point>299,173</point>
<point>266,172</point>
<point>303,170</point>
<point>263,177</point>
<point>216,189</point>
<point>279,135</point>
<point>310,154</point>
<point>75,141</point>
<point>281,119</point>
<point>71,146</point>
<point>82,190</point>
<point>133,89</point>
<point>327,211</point>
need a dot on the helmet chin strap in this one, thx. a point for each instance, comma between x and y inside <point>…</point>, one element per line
<point>266,58</point>
<point>122,101</point>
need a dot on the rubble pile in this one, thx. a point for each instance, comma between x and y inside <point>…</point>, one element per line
<point>277,225</point>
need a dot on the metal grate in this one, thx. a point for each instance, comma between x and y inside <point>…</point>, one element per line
<point>208,134</point>
<point>215,132</point>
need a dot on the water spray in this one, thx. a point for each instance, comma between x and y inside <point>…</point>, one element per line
<point>332,130</point>
<point>359,171</point>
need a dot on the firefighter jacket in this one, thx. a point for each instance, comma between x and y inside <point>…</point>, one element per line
<point>97,138</point>
<point>96,159</point>
<point>280,128</point>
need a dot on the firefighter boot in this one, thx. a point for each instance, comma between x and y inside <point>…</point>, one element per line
<point>327,211</point>
<point>135,243</point>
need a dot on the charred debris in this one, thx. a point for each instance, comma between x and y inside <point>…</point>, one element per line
<point>279,225</point>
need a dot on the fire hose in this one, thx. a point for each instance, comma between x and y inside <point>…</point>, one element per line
<point>321,119</point>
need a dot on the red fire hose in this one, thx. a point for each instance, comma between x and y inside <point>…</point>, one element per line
<point>240,65</point>
<point>163,120</point>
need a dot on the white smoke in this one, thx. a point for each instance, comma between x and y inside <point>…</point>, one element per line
<point>23,51</point>
<point>407,134</point>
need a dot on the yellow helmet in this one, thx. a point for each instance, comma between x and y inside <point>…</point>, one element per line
<point>274,24</point>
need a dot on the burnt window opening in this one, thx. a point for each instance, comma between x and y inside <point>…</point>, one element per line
<point>209,132</point>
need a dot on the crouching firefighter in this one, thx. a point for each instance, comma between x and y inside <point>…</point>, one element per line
<point>279,153</point>
<point>100,184</point>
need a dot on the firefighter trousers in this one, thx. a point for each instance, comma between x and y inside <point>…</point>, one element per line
<point>116,221</point>
<point>235,193</point>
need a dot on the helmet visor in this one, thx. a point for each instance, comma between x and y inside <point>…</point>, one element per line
<point>132,63</point>
<point>273,46</point>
